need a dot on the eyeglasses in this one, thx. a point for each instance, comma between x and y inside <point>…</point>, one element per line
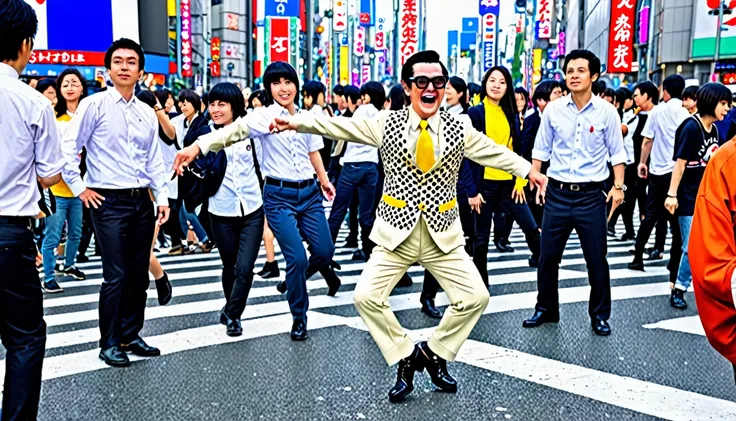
<point>422,82</point>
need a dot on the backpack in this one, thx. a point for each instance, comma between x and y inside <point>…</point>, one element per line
<point>203,177</point>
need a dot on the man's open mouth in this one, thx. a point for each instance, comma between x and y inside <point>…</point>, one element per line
<point>429,98</point>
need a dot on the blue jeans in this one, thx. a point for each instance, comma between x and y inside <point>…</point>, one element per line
<point>361,177</point>
<point>291,213</point>
<point>69,210</point>
<point>684,276</point>
<point>193,219</point>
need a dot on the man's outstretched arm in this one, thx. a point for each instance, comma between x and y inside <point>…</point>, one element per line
<point>357,130</point>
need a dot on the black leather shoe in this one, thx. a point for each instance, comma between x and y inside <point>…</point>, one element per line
<point>539,318</point>
<point>333,282</point>
<point>677,300</point>
<point>600,327</point>
<point>163,289</point>
<point>502,247</point>
<point>429,309</point>
<point>405,281</point>
<point>437,369</point>
<point>627,237</point>
<point>637,265</point>
<point>533,261</point>
<point>611,232</point>
<point>270,270</point>
<point>405,376</point>
<point>299,331</point>
<point>234,328</point>
<point>360,256</point>
<point>281,287</point>
<point>114,357</point>
<point>141,349</point>
<point>655,254</point>
<point>351,243</point>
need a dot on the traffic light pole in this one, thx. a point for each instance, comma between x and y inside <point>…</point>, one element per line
<point>309,60</point>
<point>249,43</point>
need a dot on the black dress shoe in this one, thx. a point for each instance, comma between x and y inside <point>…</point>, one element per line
<point>141,348</point>
<point>281,287</point>
<point>429,309</point>
<point>405,281</point>
<point>234,328</point>
<point>502,247</point>
<point>163,289</point>
<point>677,300</point>
<point>611,232</point>
<point>299,331</point>
<point>270,270</point>
<point>541,317</point>
<point>114,357</point>
<point>627,237</point>
<point>655,254</point>
<point>533,261</point>
<point>405,376</point>
<point>360,256</point>
<point>437,369</point>
<point>637,265</point>
<point>82,258</point>
<point>333,281</point>
<point>600,327</point>
<point>351,243</point>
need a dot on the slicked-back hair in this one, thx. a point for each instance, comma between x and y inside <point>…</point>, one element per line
<point>709,96</point>
<point>674,85</point>
<point>61,107</point>
<point>376,92</point>
<point>273,74</point>
<point>594,63</point>
<point>351,92</point>
<point>397,97</point>
<point>543,91</point>
<point>191,97</point>
<point>125,44</point>
<point>650,90</point>
<point>18,22</point>
<point>427,56</point>
<point>228,92</point>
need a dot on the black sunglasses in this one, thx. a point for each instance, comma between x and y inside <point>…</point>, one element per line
<point>422,82</point>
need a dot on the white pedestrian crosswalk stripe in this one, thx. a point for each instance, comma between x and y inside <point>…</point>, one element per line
<point>196,284</point>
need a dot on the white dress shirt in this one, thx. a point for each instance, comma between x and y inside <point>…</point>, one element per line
<point>579,143</point>
<point>240,191</point>
<point>631,121</point>
<point>355,152</point>
<point>168,153</point>
<point>29,142</point>
<point>123,148</point>
<point>663,121</point>
<point>285,154</point>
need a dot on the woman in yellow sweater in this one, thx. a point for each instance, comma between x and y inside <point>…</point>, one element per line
<point>498,118</point>
<point>72,87</point>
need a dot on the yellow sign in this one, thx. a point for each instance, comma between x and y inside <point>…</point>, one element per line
<point>344,65</point>
<point>537,66</point>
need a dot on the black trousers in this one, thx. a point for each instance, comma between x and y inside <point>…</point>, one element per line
<point>626,209</point>
<point>173,225</point>
<point>656,213</point>
<point>238,241</point>
<point>87,231</point>
<point>430,286</point>
<point>124,225</point>
<point>585,212</point>
<point>22,328</point>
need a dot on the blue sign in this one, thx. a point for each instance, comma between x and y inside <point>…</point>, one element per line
<point>489,55</point>
<point>489,11</point>
<point>260,23</point>
<point>467,41</point>
<point>470,24</point>
<point>452,43</point>
<point>489,6</point>
<point>282,8</point>
<point>368,7</point>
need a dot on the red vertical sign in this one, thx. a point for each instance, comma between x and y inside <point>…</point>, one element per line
<point>408,29</point>
<point>186,38</point>
<point>621,36</point>
<point>215,55</point>
<point>279,39</point>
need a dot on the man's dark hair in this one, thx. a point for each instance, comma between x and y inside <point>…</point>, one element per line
<point>543,91</point>
<point>338,90</point>
<point>228,92</point>
<point>610,93</point>
<point>690,93</point>
<point>273,74</point>
<point>125,44</point>
<point>163,95</point>
<point>46,83</point>
<point>397,97</point>
<point>352,93</point>
<point>473,90</point>
<point>61,103</point>
<point>599,88</point>
<point>594,63</point>
<point>191,97</point>
<point>650,90</point>
<point>709,96</point>
<point>312,89</point>
<point>428,56</point>
<point>674,85</point>
<point>18,23</point>
<point>376,92</point>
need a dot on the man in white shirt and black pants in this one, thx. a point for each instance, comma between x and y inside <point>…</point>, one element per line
<point>659,139</point>
<point>31,154</point>
<point>124,161</point>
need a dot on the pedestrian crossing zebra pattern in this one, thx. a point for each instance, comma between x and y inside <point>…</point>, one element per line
<point>559,362</point>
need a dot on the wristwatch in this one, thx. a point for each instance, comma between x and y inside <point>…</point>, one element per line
<point>157,108</point>
<point>621,187</point>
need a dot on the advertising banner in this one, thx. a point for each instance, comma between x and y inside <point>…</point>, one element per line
<point>621,36</point>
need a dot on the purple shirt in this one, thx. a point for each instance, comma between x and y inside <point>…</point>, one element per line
<point>29,143</point>
<point>123,150</point>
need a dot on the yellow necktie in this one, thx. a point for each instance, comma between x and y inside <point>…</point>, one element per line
<point>425,148</point>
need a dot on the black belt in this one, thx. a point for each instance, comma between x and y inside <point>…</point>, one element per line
<point>140,191</point>
<point>291,184</point>
<point>26,221</point>
<point>593,185</point>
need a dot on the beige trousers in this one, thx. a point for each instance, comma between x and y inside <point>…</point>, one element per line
<point>454,271</point>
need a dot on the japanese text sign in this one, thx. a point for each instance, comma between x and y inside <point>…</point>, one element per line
<point>186,38</point>
<point>544,19</point>
<point>408,29</point>
<point>621,36</point>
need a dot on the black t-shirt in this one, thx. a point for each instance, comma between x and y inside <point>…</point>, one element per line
<point>695,145</point>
